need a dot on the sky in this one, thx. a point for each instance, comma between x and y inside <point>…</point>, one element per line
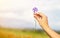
<point>19,14</point>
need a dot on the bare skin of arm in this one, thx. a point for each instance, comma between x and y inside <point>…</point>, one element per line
<point>43,22</point>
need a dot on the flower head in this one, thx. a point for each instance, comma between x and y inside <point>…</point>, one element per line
<point>35,9</point>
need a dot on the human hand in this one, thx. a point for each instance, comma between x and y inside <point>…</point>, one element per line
<point>41,18</point>
<point>43,21</point>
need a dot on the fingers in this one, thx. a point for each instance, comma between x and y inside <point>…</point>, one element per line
<point>37,17</point>
<point>42,15</point>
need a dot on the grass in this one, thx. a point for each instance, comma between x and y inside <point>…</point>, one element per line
<point>18,33</point>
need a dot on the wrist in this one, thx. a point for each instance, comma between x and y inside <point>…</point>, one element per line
<point>44,25</point>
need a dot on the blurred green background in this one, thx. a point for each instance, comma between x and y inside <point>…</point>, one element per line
<point>23,33</point>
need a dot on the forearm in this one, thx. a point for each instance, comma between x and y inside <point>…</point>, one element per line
<point>50,32</point>
<point>42,20</point>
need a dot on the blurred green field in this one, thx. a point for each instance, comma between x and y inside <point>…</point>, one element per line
<point>18,33</point>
